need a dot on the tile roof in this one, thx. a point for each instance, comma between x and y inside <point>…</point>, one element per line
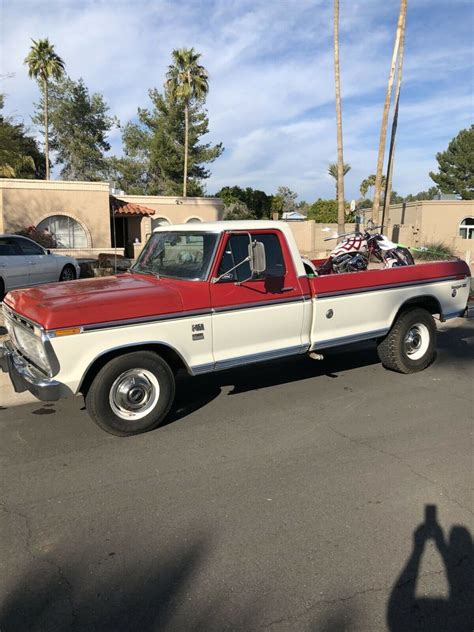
<point>120,207</point>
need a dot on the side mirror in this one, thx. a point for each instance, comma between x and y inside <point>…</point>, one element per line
<point>257,258</point>
<point>48,251</point>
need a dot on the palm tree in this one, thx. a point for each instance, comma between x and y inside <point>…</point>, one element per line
<point>368,183</point>
<point>186,80</point>
<point>386,109</point>
<point>340,155</point>
<point>391,151</point>
<point>332,170</point>
<point>43,64</point>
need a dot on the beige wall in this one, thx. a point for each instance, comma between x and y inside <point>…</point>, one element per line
<point>27,202</point>
<point>441,219</point>
<point>409,213</point>
<point>176,210</point>
<point>309,236</point>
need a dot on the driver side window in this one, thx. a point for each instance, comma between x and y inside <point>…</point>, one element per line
<point>236,250</point>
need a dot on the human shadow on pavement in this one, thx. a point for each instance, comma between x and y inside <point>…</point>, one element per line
<point>408,613</point>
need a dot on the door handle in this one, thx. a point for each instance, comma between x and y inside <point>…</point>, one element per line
<point>287,289</point>
<point>32,263</point>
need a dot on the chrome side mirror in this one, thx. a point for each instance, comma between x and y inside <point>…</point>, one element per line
<point>257,257</point>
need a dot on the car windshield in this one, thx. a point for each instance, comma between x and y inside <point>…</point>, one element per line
<point>178,255</point>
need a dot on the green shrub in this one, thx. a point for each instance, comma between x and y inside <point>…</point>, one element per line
<point>432,251</point>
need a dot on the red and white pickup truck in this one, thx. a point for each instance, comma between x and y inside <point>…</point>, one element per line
<point>208,297</point>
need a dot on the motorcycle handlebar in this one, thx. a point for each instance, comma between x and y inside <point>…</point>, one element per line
<point>354,232</point>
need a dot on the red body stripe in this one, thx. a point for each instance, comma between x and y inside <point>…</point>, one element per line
<point>388,276</point>
<point>129,296</point>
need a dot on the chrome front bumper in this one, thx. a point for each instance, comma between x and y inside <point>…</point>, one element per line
<point>26,377</point>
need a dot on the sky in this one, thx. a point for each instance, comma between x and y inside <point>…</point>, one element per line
<point>271,100</point>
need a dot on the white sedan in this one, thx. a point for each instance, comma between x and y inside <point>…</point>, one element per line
<point>23,263</point>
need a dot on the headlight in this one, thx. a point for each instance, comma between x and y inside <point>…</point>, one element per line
<point>31,346</point>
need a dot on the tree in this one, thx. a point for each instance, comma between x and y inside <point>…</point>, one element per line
<point>154,149</point>
<point>284,201</point>
<point>132,172</point>
<point>340,154</point>
<point>187,81</point>
<point>369,183</point>
<point>393,133</point>
<point>383,128</point>
<point>20,156</point>
<point>456,166</point>
<point>236,210</point>
<point>79,125</point>
<point>324,211</point>
<point>422,195</point>
<point>333,172</point>
<point>395,198</point>
<point>257,202</point>
<point>44,64</point>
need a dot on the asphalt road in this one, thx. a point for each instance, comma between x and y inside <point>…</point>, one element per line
<point>302,495</point>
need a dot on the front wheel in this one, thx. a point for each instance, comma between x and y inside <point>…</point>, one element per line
<point>410,346</point>
<point>67,273</point>
<point>131,394</point>
<point>402,257</point>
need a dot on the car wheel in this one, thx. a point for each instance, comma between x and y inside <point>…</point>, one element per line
<point>67,273</point>
<point>131,394</point>
<point>410,346</point>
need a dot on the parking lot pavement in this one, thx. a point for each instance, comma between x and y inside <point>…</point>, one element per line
<point>301,495</point>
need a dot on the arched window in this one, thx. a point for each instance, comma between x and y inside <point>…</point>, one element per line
<point>159,221</point>
<point>65,231</point>
<point>193,220</point>
<point>466,228</point>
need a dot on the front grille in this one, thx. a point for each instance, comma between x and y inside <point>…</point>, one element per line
<point>17,318</point>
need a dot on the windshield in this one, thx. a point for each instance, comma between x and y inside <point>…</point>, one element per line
<point>178,255</point>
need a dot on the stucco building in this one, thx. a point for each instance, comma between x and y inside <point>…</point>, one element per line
<point>86,219</point>
<point>429,221</point>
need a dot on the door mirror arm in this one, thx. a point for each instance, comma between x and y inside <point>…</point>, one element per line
<point>221,276</point>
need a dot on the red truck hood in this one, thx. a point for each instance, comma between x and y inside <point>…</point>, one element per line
<point>89,301</point>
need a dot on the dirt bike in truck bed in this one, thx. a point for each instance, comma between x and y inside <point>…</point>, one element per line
<point>208,297</point>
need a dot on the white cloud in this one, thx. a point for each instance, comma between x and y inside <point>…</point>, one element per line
<point>272,93</point>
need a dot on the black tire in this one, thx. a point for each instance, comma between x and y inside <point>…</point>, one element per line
<point>2,290</point>
<point>404,256</point>
<point>410,346</point>
<point>67,273</point>
<point>116,409</point>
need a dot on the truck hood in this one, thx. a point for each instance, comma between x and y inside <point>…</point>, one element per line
<point>90,301</point>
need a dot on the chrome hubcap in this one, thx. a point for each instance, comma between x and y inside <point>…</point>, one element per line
<point>134,394</point>
<point>413,340</point>
<point>417,341</point>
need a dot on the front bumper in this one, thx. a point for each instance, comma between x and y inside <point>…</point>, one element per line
<point>26,377</point>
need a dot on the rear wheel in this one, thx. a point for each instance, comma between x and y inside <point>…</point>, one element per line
<point>67,273</point>
<point>131,394</point>
<point>410,346</point>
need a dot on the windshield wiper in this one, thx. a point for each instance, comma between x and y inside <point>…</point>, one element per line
<point>144,271</point>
